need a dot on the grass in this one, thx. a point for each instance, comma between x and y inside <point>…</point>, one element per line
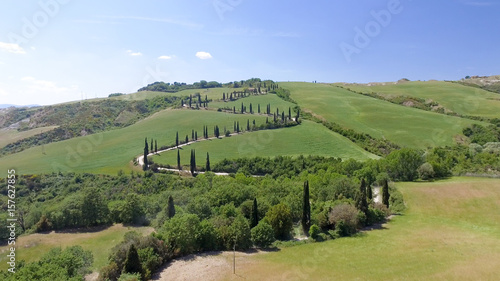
<point>263,100</point>
<point>405,126</point>
<point>32,247</point>
<point>458,98</point>
<point>111,151</point>
<point>309,138</point>
<point>8,136</point>
<point>451,231</point>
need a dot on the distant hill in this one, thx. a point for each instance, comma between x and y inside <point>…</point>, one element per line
<point>13,105</point>
<point>489,83</point>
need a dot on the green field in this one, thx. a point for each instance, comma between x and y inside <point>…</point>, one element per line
<point>10,135</point>
<point>211,93</point>
<point>458,98</point>
<point>110,151</point>
<point>451,231</point>
<point>405,126</point>
<point>263,100</point>
<point>32,247</point>
<point>309,138</point>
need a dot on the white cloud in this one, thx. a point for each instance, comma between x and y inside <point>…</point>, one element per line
<point>165,57</point>
<point>203,55</point>
<point>135,54</point>
<point>12,48</point>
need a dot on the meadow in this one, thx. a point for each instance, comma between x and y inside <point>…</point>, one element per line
<point>405,126</point>
<point>461,99</point>
<point>263,100</point>
<point>11,135</point>
<point>450,231</point>
<point>309,138</point>
<point>211,93</point>
<point>32,247</point>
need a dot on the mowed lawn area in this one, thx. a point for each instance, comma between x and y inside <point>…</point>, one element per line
<point>99,241</point>
<point>403,125</point>
<point>458,98</point>
<point>309,138</point>
<point>450,231</point>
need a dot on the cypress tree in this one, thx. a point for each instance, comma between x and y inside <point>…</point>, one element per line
<point>283,116</point>
<point>193,161</point>
<point>196,135</point>
<point>206,100</point>
<point>187,139</point>
<point>234,110</point>
<point>146,152</point>
<point>192,134</point>
<point>289,113</point>
<point>223,96</point>
<point>242,108</point>
<point>369,192</point>
<point>238,127</point>
<point>251,110</point>
<point>177,139</point>
<point>132,262</point>
<point>199,98</point>
<point>190,100</point>
<point>179,159</point>
<point>297,117</point>
<point>385,194</point>
<point>254,220</point>
<point>361,203</point>
<point>207,165</point>
<point>306,209</point>
<point>170,207</point>
<point>156,146</point>
<point>258,108</point>
<point>248,125</point>
<point>234,126</point>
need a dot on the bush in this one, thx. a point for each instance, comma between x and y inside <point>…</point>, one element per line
<point>314,231</point>
<point>109,272</point>
<point>345,219</point>
<point>426,171</point>
<point>280,218</point>
<point>263,235</point>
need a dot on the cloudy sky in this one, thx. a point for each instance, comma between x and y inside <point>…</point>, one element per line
<point>59,50</point>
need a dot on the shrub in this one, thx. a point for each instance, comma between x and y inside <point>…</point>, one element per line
<point>263,235</point>
<point>345,219</point>
<point>109,272</point>
<point>426,171</point>
<point>314,231</point>
<point>280,218</point>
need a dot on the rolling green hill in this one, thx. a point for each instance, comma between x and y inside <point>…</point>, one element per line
<point>403,125</point>
<point>461,99</point>
<point>307,139</point>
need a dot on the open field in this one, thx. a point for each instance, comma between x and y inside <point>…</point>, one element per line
<point>11,135</point>
<point>32,247</point>
<point>402,125</point>
<point>263,100</point>
<point>451,231</point>
<point>458,98</point>
<point>111,151</point>
<point>309,138</point>
<point>211,93</point>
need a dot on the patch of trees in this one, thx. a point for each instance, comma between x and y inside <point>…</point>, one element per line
<point>481,135</point>
<point>177,86</point>
<point>71,264</point>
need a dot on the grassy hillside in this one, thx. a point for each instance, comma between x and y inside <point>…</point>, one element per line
<point>32,247</point>
<point>461,99</point>
<point>451,231</point>
<point>263,100</point>
<point>307,139</point>
<point>211,93</point>
<point>110,151</point>
<point>402,125</point>
<point>10,135</point>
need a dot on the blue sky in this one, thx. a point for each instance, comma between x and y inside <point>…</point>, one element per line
<point>59,50</point>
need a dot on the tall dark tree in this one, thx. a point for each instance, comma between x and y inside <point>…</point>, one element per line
<point>132,262</point>
<point>186,139</point>
<point>177,139</point>
<point>248,124</point>
<point>207,165</point>
<point>242,108</point>
<point>156,146</point>
<point>306,209</point>
<point>369,192</point>
<point>192,134</point>
<point>289,113</point>
<point>193,162</point>
<point>234,126</point>
<point>238,127</point>
<point>196,135</point>
<point>361,202</point>
<point>258,108</point>
<point>251,109</point>
<point>254,220</point>
<point>297,116</point>
<point>224,96</point>
<point>170,207</point>
<point>179,159</point>
<point>146,152</point>
<point>190,100</point>
<point>234,110</point>
<point>385,194</point>
<point>283,116</point>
